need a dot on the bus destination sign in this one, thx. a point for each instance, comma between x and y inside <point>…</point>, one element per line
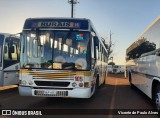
<point>59,24</point>
<point>56,24</point>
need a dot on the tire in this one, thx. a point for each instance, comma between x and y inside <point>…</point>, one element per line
<point>130,81</point>
<point>131,86</point>
<point>157,98</point>
<point>97,82</point>
<point>104,82</point>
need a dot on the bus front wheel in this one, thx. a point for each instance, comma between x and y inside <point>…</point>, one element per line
<point>97,82</point>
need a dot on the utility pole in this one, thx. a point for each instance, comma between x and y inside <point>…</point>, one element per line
<point>110,46</point>
<point>110,38</point>
<point>72,2</point>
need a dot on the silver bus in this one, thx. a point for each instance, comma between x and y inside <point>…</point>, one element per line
<point>143,62</point>
<point>9,59</point>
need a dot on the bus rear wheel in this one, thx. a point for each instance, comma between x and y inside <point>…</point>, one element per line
<point>157,97</point>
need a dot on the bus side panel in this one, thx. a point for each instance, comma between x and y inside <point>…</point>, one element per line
<point>147,69</point>
<point>1,78</point>
<point>147,85</point>
<point>143,74</point>
<point>136,80</point>
<point>143,82</point>
<point>11,75</point>
<point>104,71</point>
<point>101,71</point>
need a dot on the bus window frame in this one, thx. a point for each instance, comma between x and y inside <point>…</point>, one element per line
<point>25,33</point>
<point>8,62</point>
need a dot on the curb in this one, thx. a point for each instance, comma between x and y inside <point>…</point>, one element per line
<point>8,90</point>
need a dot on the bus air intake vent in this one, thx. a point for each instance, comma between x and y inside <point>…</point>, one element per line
<point>49,83</point>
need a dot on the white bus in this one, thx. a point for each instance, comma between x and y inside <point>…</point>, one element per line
<point>9,59</point>
<point>110,68</point>
<point>61,57</point>
<point>118,69</point>
<point>143,62</point>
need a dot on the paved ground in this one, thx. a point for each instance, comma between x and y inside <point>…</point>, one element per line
<point>115,94</point>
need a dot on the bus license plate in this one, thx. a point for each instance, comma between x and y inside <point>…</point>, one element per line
<point>49,92</point>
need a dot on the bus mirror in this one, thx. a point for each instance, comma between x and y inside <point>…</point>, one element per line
<point>11,49</point>
<point>95,40</point>
<point>5,49</point>
<point>93,62</point>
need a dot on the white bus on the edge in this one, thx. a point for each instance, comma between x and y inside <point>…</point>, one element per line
<point>143,62</point>
<point>9,59</point>
<point>61,57</point>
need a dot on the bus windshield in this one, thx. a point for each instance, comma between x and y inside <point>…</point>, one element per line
<point>1,47</point>
<point>65,50</point>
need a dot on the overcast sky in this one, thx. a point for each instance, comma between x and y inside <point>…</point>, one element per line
<point>127,19</point>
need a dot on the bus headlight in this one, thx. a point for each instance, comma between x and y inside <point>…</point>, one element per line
<point>78,78</point>
<point>23,82</point>
<point>80,84</point>
<point>74,84</point>
<point>86,84</point>
<point>30,83</point>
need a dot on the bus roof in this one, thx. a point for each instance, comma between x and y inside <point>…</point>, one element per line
<point>137,41</point>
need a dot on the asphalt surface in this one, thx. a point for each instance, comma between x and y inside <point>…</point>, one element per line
<point>115,94</point>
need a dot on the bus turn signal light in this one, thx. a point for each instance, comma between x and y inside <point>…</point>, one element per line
<point>86,84</point>
<point>78,78</point>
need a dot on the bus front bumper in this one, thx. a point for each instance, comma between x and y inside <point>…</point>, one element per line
<point>74,93</point>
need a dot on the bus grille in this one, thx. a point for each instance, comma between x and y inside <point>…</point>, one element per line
<point>57,94</point>
<point>49,83</point>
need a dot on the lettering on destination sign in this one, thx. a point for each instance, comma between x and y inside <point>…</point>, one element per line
<point>59,24</point>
